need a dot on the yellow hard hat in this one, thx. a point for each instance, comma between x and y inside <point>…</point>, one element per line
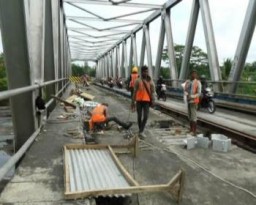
<point>135,69</point>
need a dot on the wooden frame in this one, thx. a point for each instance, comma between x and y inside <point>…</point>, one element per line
<point>174,187</point>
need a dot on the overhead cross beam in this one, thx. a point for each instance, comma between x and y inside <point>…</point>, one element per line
<point>136,5</point>
<point>104,29</point>
<point>110,20</point>
<point>115,17</point>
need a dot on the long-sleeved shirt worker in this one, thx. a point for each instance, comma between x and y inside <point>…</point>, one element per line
<point>194,88</point>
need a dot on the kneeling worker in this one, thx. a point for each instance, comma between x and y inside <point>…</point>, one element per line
<point>99,115</point>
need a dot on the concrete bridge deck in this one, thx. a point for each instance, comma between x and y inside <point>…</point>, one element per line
<point>211,177</point>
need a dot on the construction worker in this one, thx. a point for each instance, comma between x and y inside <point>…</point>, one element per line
<point>144,97</point>
<point>133,78</point>
<point>99,115</point>
<point>193,91</point>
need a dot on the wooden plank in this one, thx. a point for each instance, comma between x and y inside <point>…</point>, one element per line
<point>129,190</point>
<point>71,98</point>
<point>125,190</point>
<point>86,96</point>
<point>64,101</point>
<point>85,146</point>
<point>66,171</point>
<point>182,182</point>
<point>120,166</point>
<point>100,146</point>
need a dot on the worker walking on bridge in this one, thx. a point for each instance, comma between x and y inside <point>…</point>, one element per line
<point>133,78</point>
<point>100,115</point>
<point>193,92</point>
<point>144,97</point>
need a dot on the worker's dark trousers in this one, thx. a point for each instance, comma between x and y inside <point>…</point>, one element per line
<point>142,114</point>
<point>131,90</point>
<point>116,120</point>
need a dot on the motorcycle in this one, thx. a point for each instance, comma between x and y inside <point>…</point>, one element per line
<point>110,82</point>
<point>119,83</point>
<point>161,91</point>
<point>206,101</point>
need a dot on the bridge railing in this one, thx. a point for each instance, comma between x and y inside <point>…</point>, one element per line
<point>14,92</point>
<point>245,88</point>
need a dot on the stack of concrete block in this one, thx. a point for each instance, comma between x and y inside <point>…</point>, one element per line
<point>220,143</point>
<point>190,142</point>
<point>202,141</point>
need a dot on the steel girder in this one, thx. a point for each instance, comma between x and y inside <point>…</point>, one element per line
<point>243,45</point>
<point>32,38</point>
<point>209,38</point>
<point>119,18</point>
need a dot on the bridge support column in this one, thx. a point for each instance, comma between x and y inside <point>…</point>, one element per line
<point>243,45</point>
<point>210,42</point>
<point>159,49</point>
<point>148,48</point>
<point>170,47</point>
<point>184,72</point>
<point>15,46</point>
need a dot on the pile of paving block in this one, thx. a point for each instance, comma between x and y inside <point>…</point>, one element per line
<point>218,142</point>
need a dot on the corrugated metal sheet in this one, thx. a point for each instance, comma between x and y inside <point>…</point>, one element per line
<point>93,169</point>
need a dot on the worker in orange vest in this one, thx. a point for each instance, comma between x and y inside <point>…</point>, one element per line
<point>133,78</point>
<point>193,92</point>
<point>99,115</point>
<point>143,97</point>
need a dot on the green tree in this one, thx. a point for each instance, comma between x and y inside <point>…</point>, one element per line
<point>165,72</point>
<point>3,79</point>
<point>198,59</point>
<point>225,69</point>
<point>78,70</point>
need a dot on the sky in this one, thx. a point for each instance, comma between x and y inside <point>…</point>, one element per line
<point>227,18</point>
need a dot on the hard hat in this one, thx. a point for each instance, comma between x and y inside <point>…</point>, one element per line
<point>135,69</point>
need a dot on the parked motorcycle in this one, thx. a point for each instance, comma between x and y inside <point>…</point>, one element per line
<point>110,82</point>
<point>206,101</point>
<point>161,91</point>
<point>119,83</point>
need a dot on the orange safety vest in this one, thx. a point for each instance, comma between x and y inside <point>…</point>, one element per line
<point>134,76</point>
<point>98,113</point>
<point>194,90</point>
<point>142,94</point>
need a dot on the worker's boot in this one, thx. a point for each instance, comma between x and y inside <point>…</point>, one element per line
<point>128,126</point>
<point>194,128</point>
<point>191,127</point>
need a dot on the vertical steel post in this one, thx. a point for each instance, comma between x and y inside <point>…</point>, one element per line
<point>118,61</point>
<point>159,49</point>
<point>148,48</point>
<point>184,72</point>
<point>131,55</point>
<point>114,62</point>
<point>49,72</point>
<point>210,41</point>
<point>134,47</point>
<point>15,47</point>
<point>125,60</point>
<point>143,47</point>
<point>243,45</point>
<point>170,47</point>
<point>122,70</point>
